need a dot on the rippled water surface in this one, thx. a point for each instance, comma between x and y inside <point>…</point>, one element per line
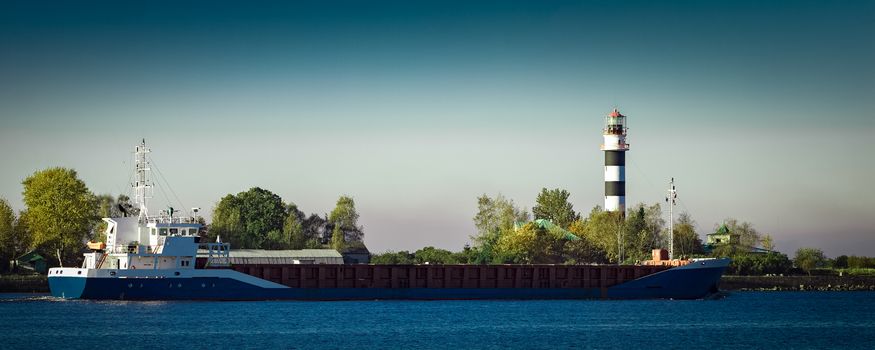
<point>738,320</point>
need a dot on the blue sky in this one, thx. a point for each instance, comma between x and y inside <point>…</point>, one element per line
<point>762,111</point>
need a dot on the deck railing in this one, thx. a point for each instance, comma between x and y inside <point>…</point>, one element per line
<point>134,249</point>
<point>218,254</point>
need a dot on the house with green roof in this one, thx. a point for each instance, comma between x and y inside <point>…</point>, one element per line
<point>724,236</point>
<point>32,261</point>
<point>549,226</point>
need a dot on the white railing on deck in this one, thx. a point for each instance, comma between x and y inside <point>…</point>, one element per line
<point>134,249</point>
<point>218,254</point>
<point>164,219</point>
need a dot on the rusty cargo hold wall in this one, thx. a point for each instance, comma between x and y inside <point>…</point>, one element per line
<point>448,276</point>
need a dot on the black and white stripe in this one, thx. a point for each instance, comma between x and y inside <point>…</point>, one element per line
<point>615,148</point>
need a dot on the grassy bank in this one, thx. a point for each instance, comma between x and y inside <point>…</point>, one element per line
<point>798,283</point>
<point>24,284</point>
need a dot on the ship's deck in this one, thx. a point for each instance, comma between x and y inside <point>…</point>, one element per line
<point>447,276</point>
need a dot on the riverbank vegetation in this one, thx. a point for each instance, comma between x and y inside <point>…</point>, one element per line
<point>61,214</point>
<point>554,233</point>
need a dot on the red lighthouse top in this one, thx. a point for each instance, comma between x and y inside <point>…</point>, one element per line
<point>615,114</point>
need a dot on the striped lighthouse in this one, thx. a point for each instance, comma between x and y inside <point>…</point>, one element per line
<point>615,148</point>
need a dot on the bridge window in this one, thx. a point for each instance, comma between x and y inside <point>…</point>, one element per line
<point>174,231</point>
<point>162,231</point>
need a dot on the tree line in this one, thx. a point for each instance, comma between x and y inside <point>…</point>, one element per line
<point>506,233</point>
<point>555,233</point>
<point>61,214</point>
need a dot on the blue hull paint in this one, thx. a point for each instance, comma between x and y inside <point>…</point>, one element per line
<point>676,283</point>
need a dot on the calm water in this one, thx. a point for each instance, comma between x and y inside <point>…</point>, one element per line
<point>740,319</point>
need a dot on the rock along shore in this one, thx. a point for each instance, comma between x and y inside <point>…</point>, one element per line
<point>798,283</point>
<point>24,284</point>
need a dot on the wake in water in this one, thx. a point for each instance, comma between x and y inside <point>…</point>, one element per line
<point>6,298</point>
<point>26,298</point>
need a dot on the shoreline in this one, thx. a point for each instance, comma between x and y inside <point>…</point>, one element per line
<point>24,284</point>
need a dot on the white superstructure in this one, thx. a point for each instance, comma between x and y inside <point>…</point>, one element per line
<point>145,242</point>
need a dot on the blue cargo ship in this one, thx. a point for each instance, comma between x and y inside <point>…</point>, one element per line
<point>696,280</point>
<point>157,258</point>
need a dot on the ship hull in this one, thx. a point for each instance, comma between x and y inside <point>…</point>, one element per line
<point>694,281</point>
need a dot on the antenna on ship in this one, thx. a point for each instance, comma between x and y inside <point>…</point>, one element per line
<point>141,185</point>
<point>671,199</point>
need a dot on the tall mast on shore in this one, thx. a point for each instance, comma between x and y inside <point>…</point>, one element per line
<point>672,201</point>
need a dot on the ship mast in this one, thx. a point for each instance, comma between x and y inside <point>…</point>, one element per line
<point>141,184</point>
<point>672,201</point>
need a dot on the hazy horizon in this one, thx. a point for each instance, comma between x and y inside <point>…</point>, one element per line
<point>762,112</point>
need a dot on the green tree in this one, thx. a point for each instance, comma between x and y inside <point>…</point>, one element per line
<point>553,205</point>
<point>313,243</point>
<point>393,258</point>
<point>857,262</point>
<point>469,255</point>
<point>346,216</point>
<point>227,221</point>
<point>315,229</point>
<point>841,262</point>
<point>686,240</point>
<point>759,264</point>
<point>495,217</point>
<point>809,258</point>
<point>530,244</point>
<point>263,211</point>
<point>432,255</point>
<point>725,251</point>
<point>582,251</point>
<point>602,230</point>
<point>748,235</point>
<point>246,219</point>
<point>655,225</point>
<point>7,233</point>
<point>293,228</point>
<point>344,213</point>
<point>337,239</point>
<point>636,243</point>
<point>276,239</point>
<point>21,240</point>
<point>61,211</point>
<point>497,214</point>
